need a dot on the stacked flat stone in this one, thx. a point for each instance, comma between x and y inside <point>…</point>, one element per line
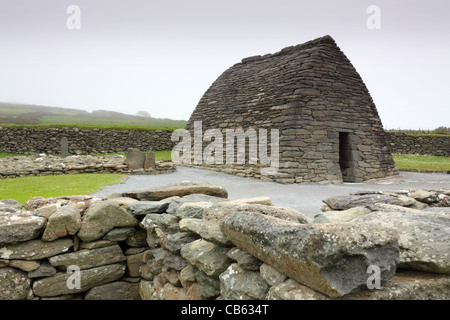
<point>311,93</point>
<point>82,141</point>
<point>188,241</point>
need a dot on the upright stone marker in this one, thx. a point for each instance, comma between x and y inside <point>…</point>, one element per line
<point>64,147</point>
<point>150,162</point>
<point>135,159</point>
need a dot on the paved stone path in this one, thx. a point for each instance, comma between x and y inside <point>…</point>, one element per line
<point>306,198</point>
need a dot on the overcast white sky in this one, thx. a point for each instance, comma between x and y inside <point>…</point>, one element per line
<point>161,56</point>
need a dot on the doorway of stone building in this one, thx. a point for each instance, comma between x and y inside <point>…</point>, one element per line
<point>346,157</point>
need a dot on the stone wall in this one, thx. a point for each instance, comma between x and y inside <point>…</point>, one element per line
<point>411,144</point>
<point>187,241</point>
<point>82,141</point>
<point>43,165</point>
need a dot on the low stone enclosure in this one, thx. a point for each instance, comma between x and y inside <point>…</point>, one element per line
<point>188,241</point>
<point>81,141</point>
<point>135,162</point>
<point>413,144</point>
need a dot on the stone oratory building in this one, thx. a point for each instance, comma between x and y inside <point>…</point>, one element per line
<point>329,128</point>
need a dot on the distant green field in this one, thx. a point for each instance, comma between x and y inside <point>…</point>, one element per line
<point>45,117</point>
<point>96,122</point>
<point>23,189</point>
<point>97,126</point>
<point>421,162</point>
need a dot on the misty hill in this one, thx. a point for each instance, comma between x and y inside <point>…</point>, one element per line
<point>24,114</point>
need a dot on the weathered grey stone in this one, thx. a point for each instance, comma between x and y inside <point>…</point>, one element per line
<point>245,261</point>
<point>35,249</point>
<point>321,256</point>
<point>20,227</point>
<point>137,239</point>
<point>408,285</point>
<point>135,159</point>
<point>142,208</point>
<point>206,256</point>
<point>101,217</point>
<point>209,286</point>
<point>178,240</point>
<point>174,205</point>
<point>162,221</point>
<point>177,189</point>
<point>134,263</point>
<point>119,290</point>
<point>423,237</point>
<point>237,283</point>
<point>89,278</point>
<point>65,221</point>
<point>341,216</point>
<point>10,205</point>
<point>46,211</point>
<point>425,196</point>
<point>24,265</point>
<point>64,147</point>
<point>156,265</point>
<point>271,275</point>
<point>292,290</point>
<point>219,210</point>
<point>366,200</point>
<point>132,250</point>
<point>216,211</point>
<point>257,200</point>
<point>171,276</point>
<point>193,210</point>
<point>86,259</point>
<point>207,229</point>
<point>121,201</point>
<point>119,234</point>
<point>81,202</point>
<point>174,261</point>
<point>150,162</point>
<point>14,284</point>
<point>147,290</point>
<point>97,244</point>
<point>187,276</point>
<point>45,270</point>
<point>152,240</point>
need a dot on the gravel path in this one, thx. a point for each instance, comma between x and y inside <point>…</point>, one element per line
<point>306,198</point>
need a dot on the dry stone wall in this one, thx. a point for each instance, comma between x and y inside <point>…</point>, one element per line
<point>316,99</point>
<point>429,145</point>
<point>81,141</point>
<point>188,241</point>
<point>43,165</point>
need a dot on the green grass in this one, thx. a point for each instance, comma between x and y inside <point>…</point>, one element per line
<point>6,154</point>
<point>23,189</point>
<point>421,162</point>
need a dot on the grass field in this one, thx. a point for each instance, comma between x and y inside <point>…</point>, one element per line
<point>23,189</point>
<point>35,116</point>
<point>125,125</point>
<point>421,162</point>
